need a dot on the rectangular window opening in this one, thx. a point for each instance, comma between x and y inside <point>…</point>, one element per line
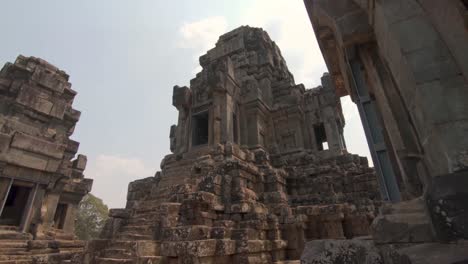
<point>324,145</point>
<point>200,129</point>
<point>15,205</point>
<point>321,137</point>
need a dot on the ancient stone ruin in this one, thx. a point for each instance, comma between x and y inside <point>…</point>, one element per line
<point>40,183</point>
<point>259,167</point>
<point>259,171</point>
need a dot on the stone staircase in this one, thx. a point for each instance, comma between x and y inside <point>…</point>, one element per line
<point>144,252</point>
<point>14,246</point>
<point>117,252</point>
<point>20,248</point>
<point>251,238</point>
<point>404,222</point>
<point>146,218</point>
<point>139,227</point>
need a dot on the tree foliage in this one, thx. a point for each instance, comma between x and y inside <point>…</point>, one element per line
<point>91,217</point>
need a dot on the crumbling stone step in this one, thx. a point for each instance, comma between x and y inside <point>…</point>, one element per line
<point>144,229</point>
<point>152,259</point>
<point>64,236</point>
<point>70,243</point>
<point>112,261</point>
<point>145,211</point>
<point>140,221</point>
<point>149,215</point>
<point>13,235</point>
<point>123,244</point>
<point>8,228</point>
<point>143,217</point>
<point>405,222</point>
<point>131,236</point>
<point>24,261</point>
<point>5,259</point>
<point>13,244</point>
<point>117,253</point>
<point>13,251</point>
<point>14,257</point>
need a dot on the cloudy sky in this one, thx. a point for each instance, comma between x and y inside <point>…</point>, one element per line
<point>124,57</point>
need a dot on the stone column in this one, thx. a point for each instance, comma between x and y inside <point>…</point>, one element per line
<point>47,213</point>
<point>36,212</point>
<point>29,210</point>
<point>333,134</point>
<point>5,185</point>
<point>182,99</point>
<point>216,124</point>
<point>69,225</point>
<point>252,127</point>
<point>182,131</point>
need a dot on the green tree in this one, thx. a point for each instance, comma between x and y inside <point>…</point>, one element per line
<point>91,217</point>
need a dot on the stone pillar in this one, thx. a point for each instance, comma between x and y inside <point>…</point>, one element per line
<point>216,129</point>
<point>5,185</point>
<point>29,209</point>
<point>333,135</point>
<point>252,127</point>
<point>181,132</point>
<point>310,121</point>
<point>69,225</point>
<point>182,100</point>
<point>36,213</point>
<point>47,213</point>
<point>222,102</point>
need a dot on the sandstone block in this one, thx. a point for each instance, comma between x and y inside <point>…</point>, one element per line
<point>181,97</point>
<point>33,144</point>
<point>80,162</point>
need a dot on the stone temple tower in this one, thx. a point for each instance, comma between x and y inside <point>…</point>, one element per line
<point>259,167</point>
<point>246,95</point>
<point>41,178</point>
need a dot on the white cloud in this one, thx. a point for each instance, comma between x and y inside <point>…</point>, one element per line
<point>200,36</point>
<point>112,174</point>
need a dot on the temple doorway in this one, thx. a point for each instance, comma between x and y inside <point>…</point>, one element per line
<point>14,207</point>
<point>200,129</point>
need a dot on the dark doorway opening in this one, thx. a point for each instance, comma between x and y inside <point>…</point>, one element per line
<point>15,205</point>
<point>60,215</point>
<point>321,136</point>
<point>200,129</point>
